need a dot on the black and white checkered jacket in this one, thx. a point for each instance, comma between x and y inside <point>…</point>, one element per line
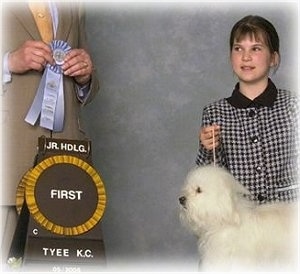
<point>259,143</point>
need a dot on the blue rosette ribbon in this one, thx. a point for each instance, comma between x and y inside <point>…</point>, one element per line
<point>48,103</point>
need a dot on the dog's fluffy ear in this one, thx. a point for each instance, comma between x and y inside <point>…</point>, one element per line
<point>228,206</point>
<point>240,195</point>
<point>237,195</point>
<point>236,186</point>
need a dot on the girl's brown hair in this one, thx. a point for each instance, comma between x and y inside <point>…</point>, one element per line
<point>258,27</point>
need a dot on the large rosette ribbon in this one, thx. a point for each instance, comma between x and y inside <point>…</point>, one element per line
<point>48,102</point>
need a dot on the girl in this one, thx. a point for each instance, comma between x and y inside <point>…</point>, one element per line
<point>253,132</point>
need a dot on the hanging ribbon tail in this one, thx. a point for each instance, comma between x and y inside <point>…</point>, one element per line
<point>48,103</point>
<point>35,109</point>
<point>59,113</point>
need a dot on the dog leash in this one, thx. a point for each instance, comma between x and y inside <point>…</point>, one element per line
<point>214,147</point>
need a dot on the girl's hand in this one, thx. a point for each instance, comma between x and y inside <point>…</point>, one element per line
<point>210,136</point>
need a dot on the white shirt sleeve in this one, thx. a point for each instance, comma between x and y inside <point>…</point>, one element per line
<point>6,75</point>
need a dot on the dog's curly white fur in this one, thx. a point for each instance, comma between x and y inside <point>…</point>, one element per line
<point>235,233</point>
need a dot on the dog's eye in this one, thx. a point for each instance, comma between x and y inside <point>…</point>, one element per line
<point>198,190</point>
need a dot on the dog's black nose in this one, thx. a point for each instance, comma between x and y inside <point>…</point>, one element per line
<point>182,200</point>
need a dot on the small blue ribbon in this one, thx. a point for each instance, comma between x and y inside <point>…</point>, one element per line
<point>48,103</point>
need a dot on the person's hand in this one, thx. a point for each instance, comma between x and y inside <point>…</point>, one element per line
<point>210,136</point>
<point>78,64</point>
<point>32,55</point>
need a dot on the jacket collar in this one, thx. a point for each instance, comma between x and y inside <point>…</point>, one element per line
<point>65,17</point>
<point>266,99</point>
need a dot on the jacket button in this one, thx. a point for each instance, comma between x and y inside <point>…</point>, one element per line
<point>251,113</point>
<point>258,169</point>
<point>254,139</point>
<point>261,197</point>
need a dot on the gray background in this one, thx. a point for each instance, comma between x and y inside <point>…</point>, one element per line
<point>159,64</point>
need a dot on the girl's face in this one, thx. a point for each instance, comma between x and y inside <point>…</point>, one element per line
<point>251,60</point>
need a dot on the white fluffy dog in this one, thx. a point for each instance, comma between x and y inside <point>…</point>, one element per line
<point>234,233</point>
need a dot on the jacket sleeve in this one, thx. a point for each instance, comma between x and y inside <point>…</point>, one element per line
<point>94,84</point>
